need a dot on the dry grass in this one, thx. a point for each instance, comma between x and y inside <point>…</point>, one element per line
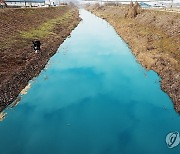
<point>24,25</point>
<point>153,28</point>
<point>29,23</point>
<point>154,38</point>
<point>46,28</point>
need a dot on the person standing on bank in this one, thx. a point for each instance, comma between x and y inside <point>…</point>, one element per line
<point>36,45</point>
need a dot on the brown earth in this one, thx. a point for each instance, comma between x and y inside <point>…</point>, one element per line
<point>154,37</point>
<point>18,27</point>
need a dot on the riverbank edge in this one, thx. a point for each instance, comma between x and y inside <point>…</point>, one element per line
<point>169,77</point>
<point>11,88</point>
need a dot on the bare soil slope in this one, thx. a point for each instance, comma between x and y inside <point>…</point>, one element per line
<point>154,37</point>
<point>18,27</point>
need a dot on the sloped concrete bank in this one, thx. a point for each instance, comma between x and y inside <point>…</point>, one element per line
<point>18,62</point>
<point>154,38</point>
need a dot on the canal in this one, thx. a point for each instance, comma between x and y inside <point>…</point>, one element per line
<point>92,98</point>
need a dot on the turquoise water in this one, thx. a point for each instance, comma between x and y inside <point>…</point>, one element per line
<point>93,98</point>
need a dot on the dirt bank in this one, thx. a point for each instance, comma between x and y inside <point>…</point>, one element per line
<point>18,27</point>
<point>154,37</point>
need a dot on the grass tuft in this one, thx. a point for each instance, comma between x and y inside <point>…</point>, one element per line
<point>45,29</point>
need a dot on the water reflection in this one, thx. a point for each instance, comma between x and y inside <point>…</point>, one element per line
<point>96,99</point>
<point>2,116</point>
<point>16,102</point>
<point>24,91</point>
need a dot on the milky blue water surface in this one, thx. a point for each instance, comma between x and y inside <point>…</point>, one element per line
<point>94,98</point>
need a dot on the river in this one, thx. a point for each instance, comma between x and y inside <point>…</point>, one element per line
<point>92,98</point>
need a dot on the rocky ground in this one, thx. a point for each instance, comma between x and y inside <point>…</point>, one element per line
<point>18,28</point>
<point>153,36</point>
